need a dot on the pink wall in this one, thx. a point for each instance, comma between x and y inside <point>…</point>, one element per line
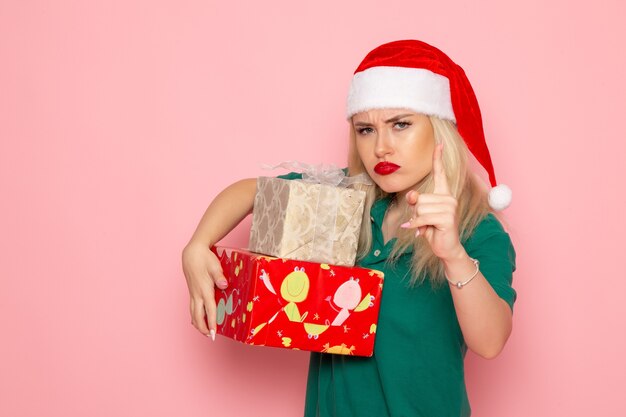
<point>120,120</point>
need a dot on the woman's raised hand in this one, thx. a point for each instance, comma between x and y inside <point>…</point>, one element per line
<point>203,273</point>
<point>434,215</point>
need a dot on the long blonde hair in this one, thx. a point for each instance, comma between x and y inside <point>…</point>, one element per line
<point>472,203</point>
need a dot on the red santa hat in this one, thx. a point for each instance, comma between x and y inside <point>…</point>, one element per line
<point>414,75</point>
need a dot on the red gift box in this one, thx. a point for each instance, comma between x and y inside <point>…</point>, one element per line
<point>296,304</point>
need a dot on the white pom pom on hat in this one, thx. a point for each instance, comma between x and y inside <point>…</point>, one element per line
<point>414,75</point>
<point>500,197</point>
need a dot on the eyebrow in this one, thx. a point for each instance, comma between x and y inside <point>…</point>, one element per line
<point>392,120</point>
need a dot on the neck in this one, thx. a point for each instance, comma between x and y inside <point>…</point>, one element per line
<point>396,209</point>
<point>394,216</point>
<point>398,203</point>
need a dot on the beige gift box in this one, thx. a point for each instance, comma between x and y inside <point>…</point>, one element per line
<point>305,221</point>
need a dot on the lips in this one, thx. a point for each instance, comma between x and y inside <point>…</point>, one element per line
<point>386,168</point>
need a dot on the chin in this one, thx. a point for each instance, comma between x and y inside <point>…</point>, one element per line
<point>389,186</point>
<point>395,185</point>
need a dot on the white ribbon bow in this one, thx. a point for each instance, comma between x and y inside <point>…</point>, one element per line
<point>327,174</point>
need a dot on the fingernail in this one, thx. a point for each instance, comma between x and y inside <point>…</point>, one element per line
<point>212,332</point>
<point>417,232</point>
<point>405,225</point>
<point>222,284</point>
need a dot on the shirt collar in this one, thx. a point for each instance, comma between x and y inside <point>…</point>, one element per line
<point>377,214</point>
<point>379,208</point>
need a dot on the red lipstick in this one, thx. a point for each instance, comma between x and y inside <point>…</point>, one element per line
<point>386,168</point>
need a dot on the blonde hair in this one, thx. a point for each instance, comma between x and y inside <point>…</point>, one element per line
<point>464,186</point>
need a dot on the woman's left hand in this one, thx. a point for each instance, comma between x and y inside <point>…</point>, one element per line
<point>434,215</point>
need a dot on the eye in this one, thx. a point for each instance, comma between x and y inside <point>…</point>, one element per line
<point>364,130</point>
<point>402,125</point>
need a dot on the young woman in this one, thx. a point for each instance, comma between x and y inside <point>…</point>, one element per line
<point>428,226</point>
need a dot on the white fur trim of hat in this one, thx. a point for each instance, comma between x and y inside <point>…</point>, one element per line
<point>415,89</point>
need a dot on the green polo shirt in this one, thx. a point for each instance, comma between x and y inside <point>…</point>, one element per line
<point>417,366</point>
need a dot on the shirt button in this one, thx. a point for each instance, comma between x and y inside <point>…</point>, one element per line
<point>376,252</point>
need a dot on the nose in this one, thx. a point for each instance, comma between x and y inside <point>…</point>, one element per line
<point>383,144</point>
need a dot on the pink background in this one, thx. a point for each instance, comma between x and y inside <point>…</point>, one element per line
<point>120,120</point>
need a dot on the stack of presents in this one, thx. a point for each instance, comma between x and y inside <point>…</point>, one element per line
<point>296,286</point>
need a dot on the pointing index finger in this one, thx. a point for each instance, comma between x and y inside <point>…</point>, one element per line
<point>439,174</point>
